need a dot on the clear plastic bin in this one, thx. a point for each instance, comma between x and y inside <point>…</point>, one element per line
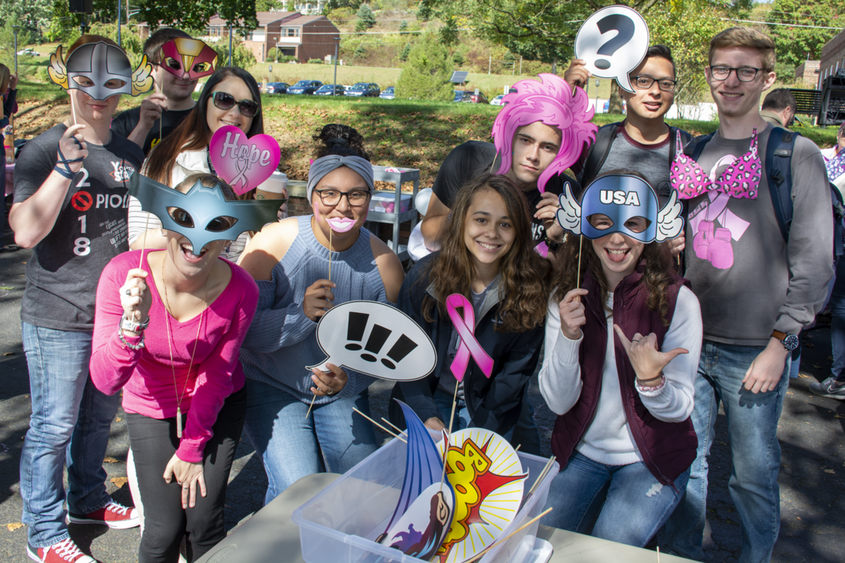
<point>339,524</point>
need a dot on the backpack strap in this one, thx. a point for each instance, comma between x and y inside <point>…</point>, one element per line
<point>598,152</point>
<point>685,139</point>
<point>778,165</point>
<point>694,148</point>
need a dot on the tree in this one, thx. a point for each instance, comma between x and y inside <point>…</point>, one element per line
<point>403,26</point>
<point>31,16</point>
<point>687,27</point>
<point>406,52</point>
<point>426,74</point>
<point>797,44</point>
<point>366,18</point>
<point>458,59</point>
<point>240,14</point>
<point>449,32</point>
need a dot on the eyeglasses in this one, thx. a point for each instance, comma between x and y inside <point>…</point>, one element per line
<point>645,82</point>
<point>226,101</point>
<point>355,198</point>
<point>743,73</point>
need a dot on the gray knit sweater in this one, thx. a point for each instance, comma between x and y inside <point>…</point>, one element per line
<point>282,340</point>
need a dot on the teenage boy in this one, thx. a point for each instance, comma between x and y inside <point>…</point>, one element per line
<point>70,207</point>
<point>171,102</point>
<point>643,141</point>
<point>532,152</point>
<point>756,289</point>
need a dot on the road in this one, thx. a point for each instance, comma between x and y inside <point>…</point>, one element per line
<point>811,431</point>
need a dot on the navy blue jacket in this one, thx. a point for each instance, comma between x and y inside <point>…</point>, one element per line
<point>492,403</point>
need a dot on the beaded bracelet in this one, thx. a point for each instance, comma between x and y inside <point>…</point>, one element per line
<point>126,344</point>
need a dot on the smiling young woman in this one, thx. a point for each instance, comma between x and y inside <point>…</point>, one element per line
<point>304,266</point>
<point>230,97</point>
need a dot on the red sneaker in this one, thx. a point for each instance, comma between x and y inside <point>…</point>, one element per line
<point>113,515</point>
<point>62,552</point>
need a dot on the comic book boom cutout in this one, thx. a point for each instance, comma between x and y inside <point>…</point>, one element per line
<point>187,58</point>
<point>620,197</point>
<point>465,327</point>
<point>106,66</point>
<point>243,162</point>
<point>201,215</point>
<point>486,475</point>
<point>375,339</point>
<point>613,42</point>
<point>423,514</point>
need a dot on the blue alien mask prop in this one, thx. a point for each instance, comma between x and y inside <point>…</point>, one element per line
<point>202,215</point>
<point>620,197</point>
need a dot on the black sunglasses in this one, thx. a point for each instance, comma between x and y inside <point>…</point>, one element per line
<point>226,101</point>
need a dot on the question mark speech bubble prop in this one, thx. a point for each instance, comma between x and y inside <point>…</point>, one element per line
<point>375,339</point>
<point>612,42</point>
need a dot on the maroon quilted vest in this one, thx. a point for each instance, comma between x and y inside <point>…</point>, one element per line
<point>667,448</point>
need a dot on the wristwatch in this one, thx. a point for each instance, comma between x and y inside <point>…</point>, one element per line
<point>131,325</point>
<point>790,341</point>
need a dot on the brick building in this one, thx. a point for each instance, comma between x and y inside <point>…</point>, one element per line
<point>833,58</point>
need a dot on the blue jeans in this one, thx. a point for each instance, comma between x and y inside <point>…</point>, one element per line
<point>70,423</point>
<point>837,323</point>
<point>332,438</point>
<point>755,453</point>
<point>621,503</point>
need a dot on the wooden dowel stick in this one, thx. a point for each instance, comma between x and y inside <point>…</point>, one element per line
<point>380,426</point>
<point>578,272</point>
<point>542,474</point>
<point>484,551</point>
<point>448,437</point>
<point>314,398</point>
<point>399,430</point>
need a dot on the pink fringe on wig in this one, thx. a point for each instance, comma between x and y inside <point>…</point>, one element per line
<point>550,101</point>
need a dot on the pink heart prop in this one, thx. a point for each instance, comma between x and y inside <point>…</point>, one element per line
<point>243,162</point>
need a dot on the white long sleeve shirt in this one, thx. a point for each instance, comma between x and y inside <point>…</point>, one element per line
<point>608,439</point>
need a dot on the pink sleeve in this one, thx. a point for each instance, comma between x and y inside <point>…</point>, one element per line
<point>217,375</point>
<point>112,363</point>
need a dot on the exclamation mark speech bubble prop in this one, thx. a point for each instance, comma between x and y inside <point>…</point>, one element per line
<point>375,339</point>
<point>612,42</point>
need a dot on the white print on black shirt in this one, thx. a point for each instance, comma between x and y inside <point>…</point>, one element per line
<point>114,229</point>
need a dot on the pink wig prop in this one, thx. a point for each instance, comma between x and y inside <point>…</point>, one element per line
<point>553,103</point>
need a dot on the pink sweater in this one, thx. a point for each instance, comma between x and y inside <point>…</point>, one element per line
<point>146,375</point>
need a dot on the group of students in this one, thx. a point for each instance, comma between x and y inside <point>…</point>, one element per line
<point>636,358</point>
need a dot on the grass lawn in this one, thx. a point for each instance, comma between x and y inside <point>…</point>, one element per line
<point>413,134</point>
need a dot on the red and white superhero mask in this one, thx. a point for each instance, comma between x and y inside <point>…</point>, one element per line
<point>188,58</point>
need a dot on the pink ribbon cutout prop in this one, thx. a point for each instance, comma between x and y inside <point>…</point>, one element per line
<point>465,328</point>
<point>244,163</point>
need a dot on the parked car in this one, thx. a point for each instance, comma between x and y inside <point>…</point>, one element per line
<point>29,51</point>
<point>469,96</point>
<point>364,89</point>
<point>277,88</point>
<point>305,87</point>
<point>497,101</point>
<point>607,106</point>
<point>330,90</point>
<point>388,94</point>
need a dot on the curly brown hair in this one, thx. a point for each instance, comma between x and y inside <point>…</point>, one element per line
<point>341,140</point>
<point>657,258</point>
<point>526,276</point>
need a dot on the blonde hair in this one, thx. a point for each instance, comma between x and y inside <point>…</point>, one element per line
<point>745,37</point>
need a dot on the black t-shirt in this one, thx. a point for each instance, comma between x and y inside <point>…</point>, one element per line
<point>62,274</point>
<point>468,160</point>
<point>126,122</point>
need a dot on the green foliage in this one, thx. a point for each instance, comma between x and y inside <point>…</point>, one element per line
<point>7,45</point>
<point>687,27</point>
<point>267,5</point>
<point>366,18</point>
<point>406,52</point>
<point>427,72</point>
<point>30,15</point>
<point>196,13</point>
<point>449,32</point>
<point>403,26</point>
<point>458,59</point>
<point>424,12</point>
<point>797,44</point>
<point>290,6</point>
<point>241,56</point>
<point>315,61</point>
